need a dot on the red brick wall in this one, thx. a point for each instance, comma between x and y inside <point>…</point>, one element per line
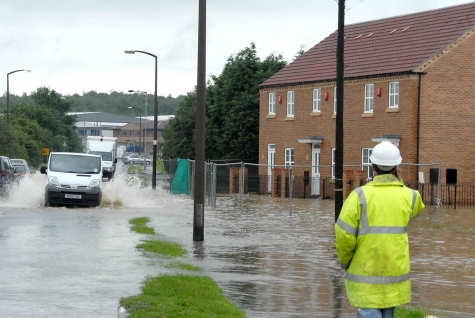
<point>358,130</point>
<point>448,112</point>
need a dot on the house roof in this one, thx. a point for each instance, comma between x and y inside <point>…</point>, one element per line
<point>381,47</point>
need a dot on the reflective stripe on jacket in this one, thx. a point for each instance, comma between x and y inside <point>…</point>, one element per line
<point>372,242</point>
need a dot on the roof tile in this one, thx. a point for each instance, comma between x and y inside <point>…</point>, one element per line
<point>392,45</point>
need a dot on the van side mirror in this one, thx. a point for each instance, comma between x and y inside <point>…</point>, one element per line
<point>115,160</point>
<point>43,169</point>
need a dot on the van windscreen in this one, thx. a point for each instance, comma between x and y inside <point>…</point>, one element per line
<point>75,164</point>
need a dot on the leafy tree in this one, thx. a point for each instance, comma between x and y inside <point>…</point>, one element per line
<point>179,134</point>
<point>232,111</point>
<point>232,117</point>
<point>300,52</point>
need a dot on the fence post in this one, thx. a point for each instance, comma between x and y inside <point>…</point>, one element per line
<point>291,183</point>
<point>242,186</point>
<point>213,183</point>
<point>193,178</point>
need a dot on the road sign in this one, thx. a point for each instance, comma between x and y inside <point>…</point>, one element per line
<point>45,151</point>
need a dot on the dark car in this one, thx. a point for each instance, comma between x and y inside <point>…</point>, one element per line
<point>7,175</point>
<point>22,171</point>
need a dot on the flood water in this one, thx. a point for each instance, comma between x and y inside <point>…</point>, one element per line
<point>79,262</point>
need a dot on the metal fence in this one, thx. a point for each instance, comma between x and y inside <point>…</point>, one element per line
<point>239,179</point>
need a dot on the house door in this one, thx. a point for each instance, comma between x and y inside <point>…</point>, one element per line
<point>270,165</point>
<point>315,169</point>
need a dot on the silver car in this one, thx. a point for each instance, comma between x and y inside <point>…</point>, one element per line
<point>136,159</point>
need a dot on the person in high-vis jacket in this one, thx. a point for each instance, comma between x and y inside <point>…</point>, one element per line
<point>371,237</point>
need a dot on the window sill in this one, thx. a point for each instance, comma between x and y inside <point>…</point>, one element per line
<point>367,115</point>
<point>316,114</point>
<point>289,118</point>
<point>334,116</point>
<point>331,181</point>
<point>392,110</point>
<point>270,116</point>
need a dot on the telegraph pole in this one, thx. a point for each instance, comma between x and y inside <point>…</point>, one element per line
<point>199,188</point>
<point>339,109</point>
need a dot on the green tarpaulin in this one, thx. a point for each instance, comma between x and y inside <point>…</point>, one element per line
<point>180,180</point>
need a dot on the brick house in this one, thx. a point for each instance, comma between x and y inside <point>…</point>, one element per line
<point>408,79</point>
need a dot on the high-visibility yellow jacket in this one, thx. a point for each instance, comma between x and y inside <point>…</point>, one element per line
<point>372,242</point>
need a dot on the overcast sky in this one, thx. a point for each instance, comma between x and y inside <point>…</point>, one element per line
<point>76,46</point>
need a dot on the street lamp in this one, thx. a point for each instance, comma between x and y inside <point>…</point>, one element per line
<point>8,93</point>
<point>145,129</point>
<point>140,143</point>
<point>155,115</point>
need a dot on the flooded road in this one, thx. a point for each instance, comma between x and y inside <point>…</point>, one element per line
<point>68,262</point>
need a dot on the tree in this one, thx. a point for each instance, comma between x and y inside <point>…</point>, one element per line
<point>232,116</point>
<point>232,111</point>
<point>300,52</point>
<point>179,134</point>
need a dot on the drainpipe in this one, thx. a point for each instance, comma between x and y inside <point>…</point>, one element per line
<point>418,122</point>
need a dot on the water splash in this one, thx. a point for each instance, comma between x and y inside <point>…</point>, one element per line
<point>124,191</point>
<point>28,193</point>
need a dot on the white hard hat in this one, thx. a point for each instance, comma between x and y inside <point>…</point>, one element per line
<point>386,156</point>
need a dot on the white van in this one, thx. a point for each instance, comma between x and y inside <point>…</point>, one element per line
<point>73,179</point>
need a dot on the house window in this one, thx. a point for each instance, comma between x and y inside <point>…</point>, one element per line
<point>132,132</point>
<point>271,103</point>
<point>334,102</point>
<point>333,162</point>
<point>290,103</point>
<point>394,95</point>
<point>124,132</point>
<point>138,132</point>
<point>289,156</point>
<point>368,100</point>
<point>366,163</point>
<point>317,98</point>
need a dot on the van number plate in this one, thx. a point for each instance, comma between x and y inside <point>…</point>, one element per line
<point>72,196</point>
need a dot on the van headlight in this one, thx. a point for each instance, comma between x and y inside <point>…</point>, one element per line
<point>95,184</point>
<point>53,181</point>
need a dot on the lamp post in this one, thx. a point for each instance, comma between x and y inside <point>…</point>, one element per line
<point>145,129</point>
<point>140,143</point>
<point>155,115</point>
<point>8,93</point>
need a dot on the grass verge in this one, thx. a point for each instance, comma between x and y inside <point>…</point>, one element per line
<point>162,247</point>
<point>406,312</point>
<point>180,295</point>
<point>139,226</point>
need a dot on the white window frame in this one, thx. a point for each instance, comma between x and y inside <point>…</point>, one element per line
<point>369,98</point>
<point>290,103</point>
<point>334,101</point>
<point>289,156</point>
<point>333,162</point>
<point>272,103</point>
<point>366,163</point>
<point>317,99</point>
<point>394,95</point>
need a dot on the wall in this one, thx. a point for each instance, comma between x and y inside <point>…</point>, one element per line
<point>447,109</point>
<point>358,129</point>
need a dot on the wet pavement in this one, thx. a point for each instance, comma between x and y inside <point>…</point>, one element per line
<point>79,262</point>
